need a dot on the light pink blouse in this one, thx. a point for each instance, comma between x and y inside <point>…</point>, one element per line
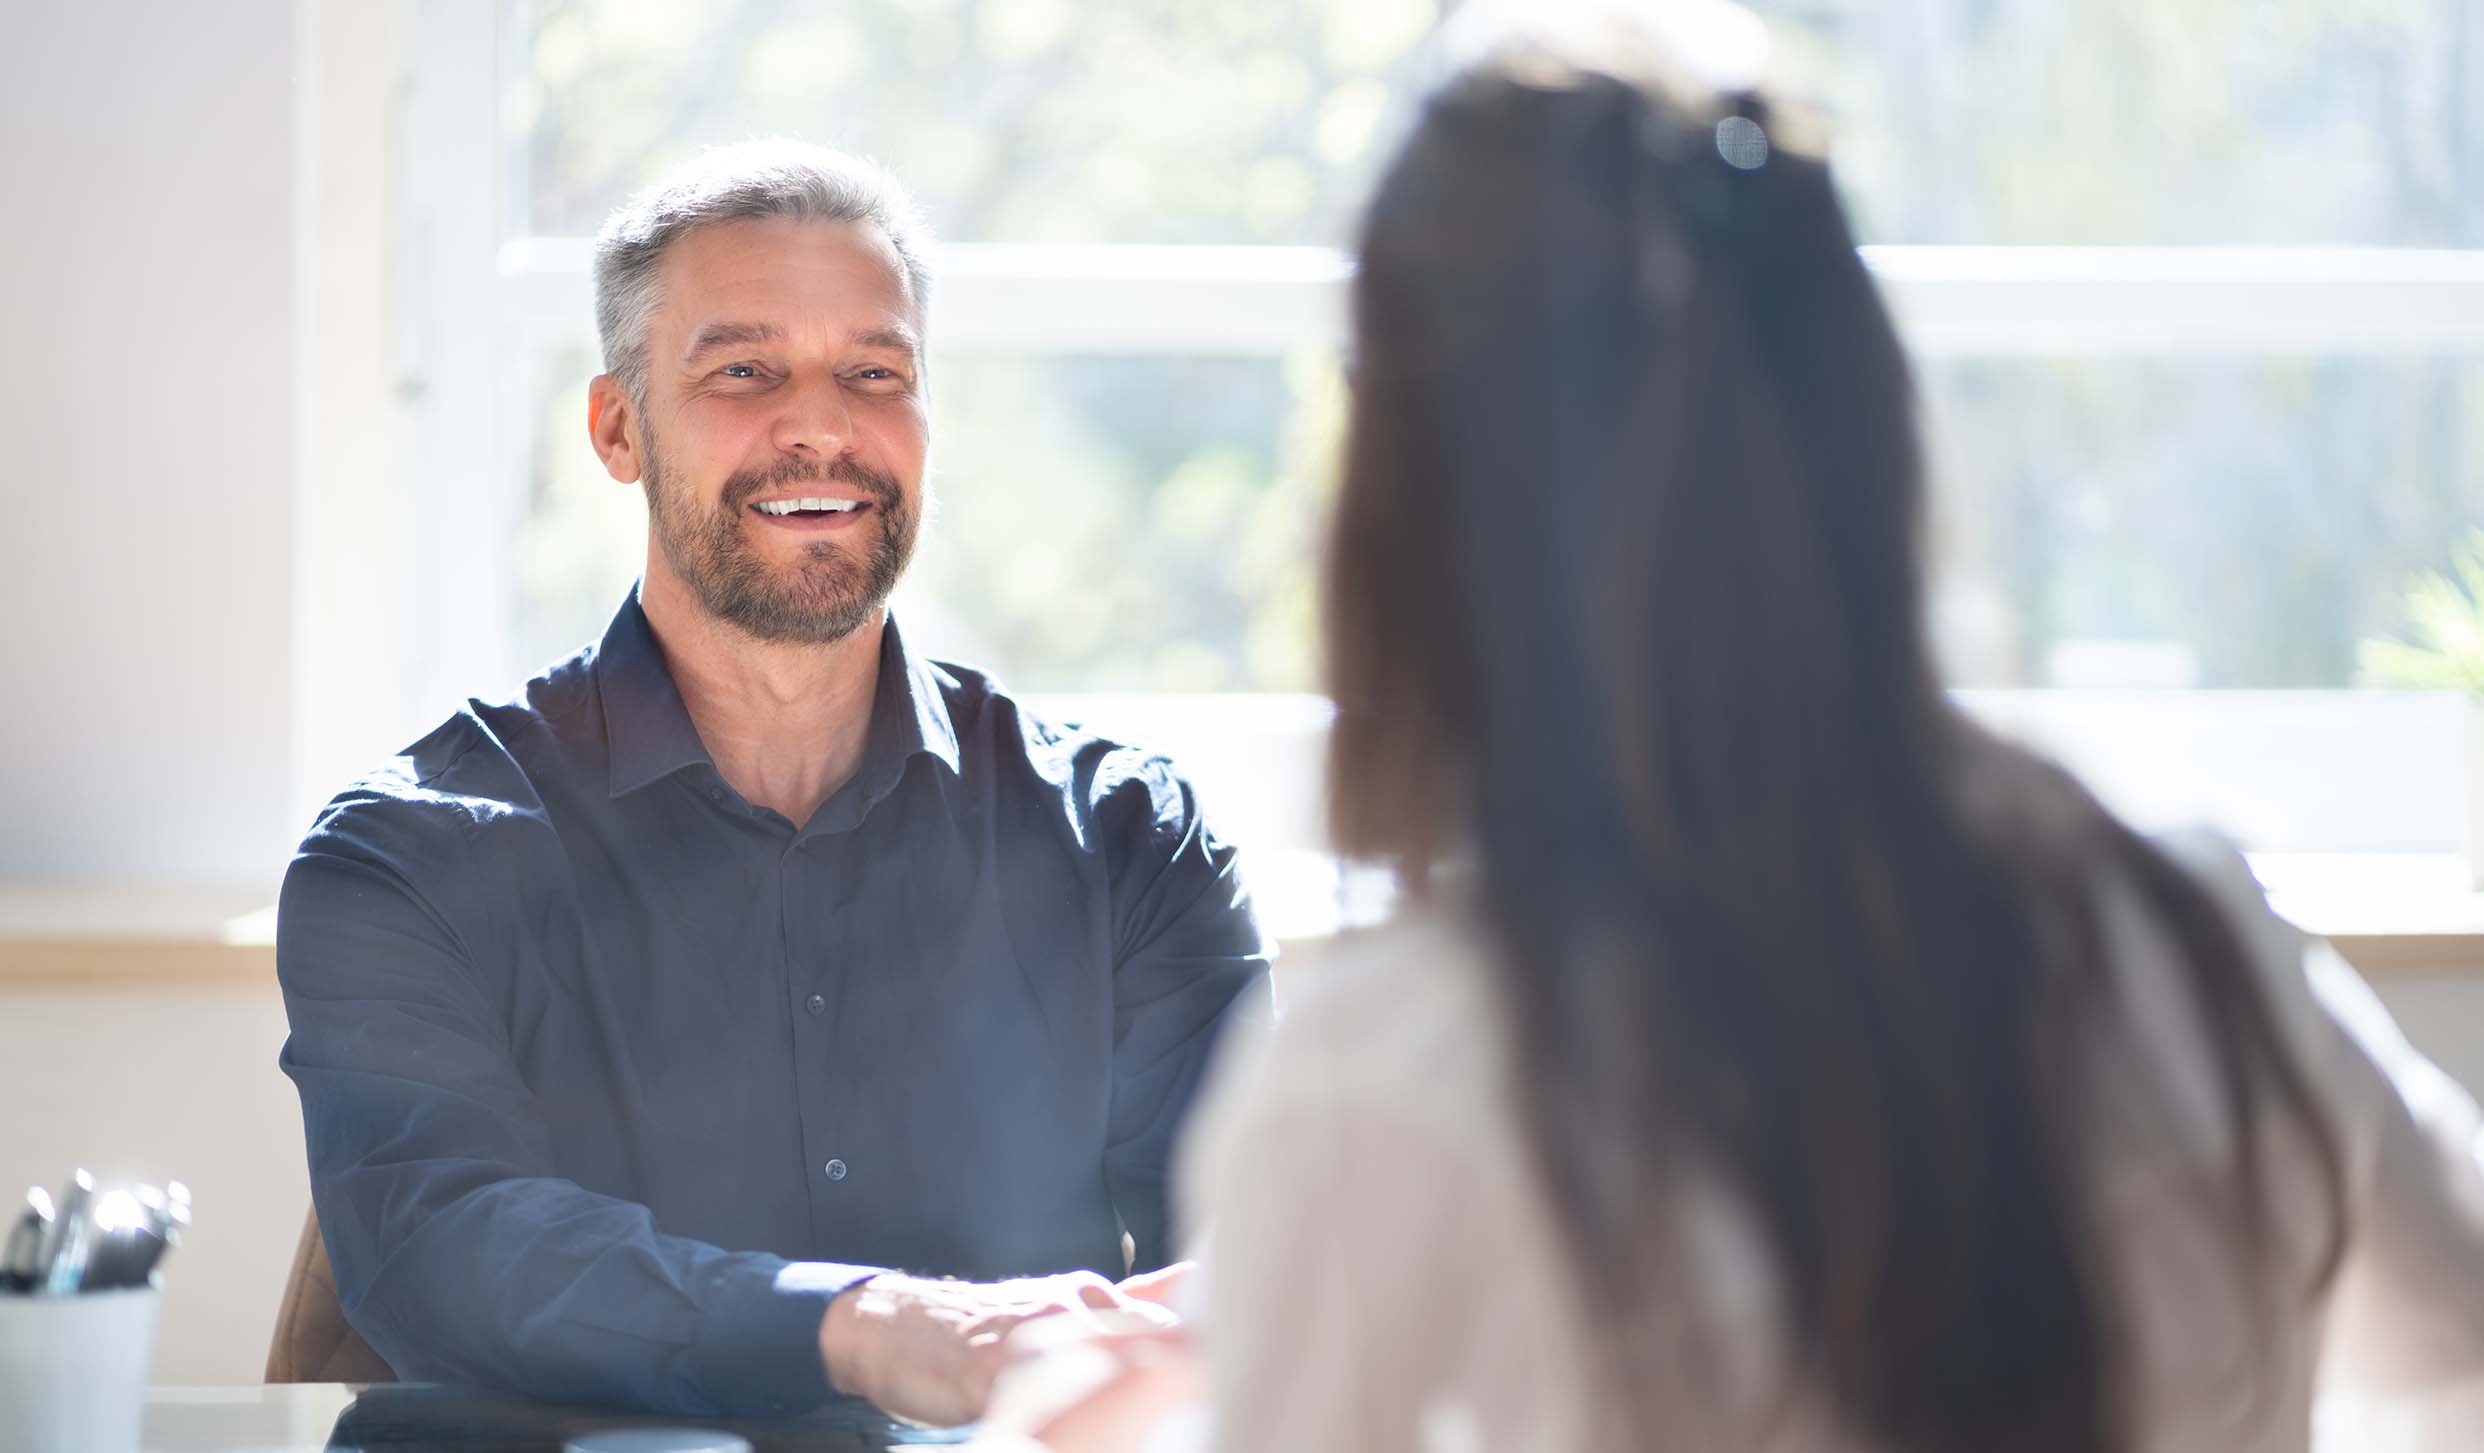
<point>1384,1274</point>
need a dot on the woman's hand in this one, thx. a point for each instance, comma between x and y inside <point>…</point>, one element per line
<point>1161,1286</point>
<point>1081,1393</point>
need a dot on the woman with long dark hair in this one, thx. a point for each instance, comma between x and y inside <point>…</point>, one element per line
<point>1767,1056</point>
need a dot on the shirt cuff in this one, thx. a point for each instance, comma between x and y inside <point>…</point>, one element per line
<point>758,1345</point>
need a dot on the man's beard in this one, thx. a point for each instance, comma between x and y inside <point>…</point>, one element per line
<point>824,597</point>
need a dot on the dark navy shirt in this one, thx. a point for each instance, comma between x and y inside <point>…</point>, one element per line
<point>611,1079</point>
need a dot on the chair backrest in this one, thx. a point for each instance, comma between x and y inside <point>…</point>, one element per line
<point>313,1342</point>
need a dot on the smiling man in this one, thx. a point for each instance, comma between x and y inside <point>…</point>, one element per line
<point>753,1009</point>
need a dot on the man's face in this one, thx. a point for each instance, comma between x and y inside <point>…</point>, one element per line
<point>783,433</point>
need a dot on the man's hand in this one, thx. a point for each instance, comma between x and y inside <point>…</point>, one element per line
<point>929,1350</point>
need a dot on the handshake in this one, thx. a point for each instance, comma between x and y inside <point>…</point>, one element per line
<point>931,1350</point>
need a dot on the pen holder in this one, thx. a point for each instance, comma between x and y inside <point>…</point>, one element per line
<point>73,1369</point>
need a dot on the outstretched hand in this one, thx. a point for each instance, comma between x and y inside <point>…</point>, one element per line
<point>1118,1393</point>
<point>1162,1286</point>
<point>929,1350</point>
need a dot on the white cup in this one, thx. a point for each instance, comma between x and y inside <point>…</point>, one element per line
<point>73,1370</point>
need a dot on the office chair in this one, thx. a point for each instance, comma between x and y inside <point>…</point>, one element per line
<point>313,1342</point>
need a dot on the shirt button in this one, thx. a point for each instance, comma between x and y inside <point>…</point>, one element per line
<point>817,1004</point>
<point>835,1170</point>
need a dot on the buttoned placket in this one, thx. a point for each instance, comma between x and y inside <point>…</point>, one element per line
<point>807,1018</point>
<point>800,867</point>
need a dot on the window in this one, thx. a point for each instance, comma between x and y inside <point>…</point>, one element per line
<point>2131,123</point>
<point>2211,520</point>
<point>2198,293</point>
<point>1046,121</point>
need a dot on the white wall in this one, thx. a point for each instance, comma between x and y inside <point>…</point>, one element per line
<point>145,1080</point>
<point>147,397</point>
<point>150,387</point>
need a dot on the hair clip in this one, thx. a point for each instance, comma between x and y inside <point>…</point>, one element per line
<point>1741,142</point>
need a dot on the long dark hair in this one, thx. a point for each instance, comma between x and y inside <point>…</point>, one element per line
<point>1623,599</point>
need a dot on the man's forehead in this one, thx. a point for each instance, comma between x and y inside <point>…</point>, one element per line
<point>736,281</point>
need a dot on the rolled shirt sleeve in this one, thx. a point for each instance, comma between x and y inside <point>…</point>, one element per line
<point>460,1253</point>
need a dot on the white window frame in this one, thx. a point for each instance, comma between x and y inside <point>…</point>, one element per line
<point>475,305</point>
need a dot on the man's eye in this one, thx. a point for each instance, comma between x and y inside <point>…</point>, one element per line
<point>875,371</point>
<point>740,370</point>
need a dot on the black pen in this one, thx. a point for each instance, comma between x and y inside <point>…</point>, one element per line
<point>24,1258</point>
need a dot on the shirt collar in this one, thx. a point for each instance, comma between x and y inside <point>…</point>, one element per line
<point>649,735</point>
<point>909,714</point>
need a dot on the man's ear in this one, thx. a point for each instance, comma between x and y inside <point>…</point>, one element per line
<point>610,428</point>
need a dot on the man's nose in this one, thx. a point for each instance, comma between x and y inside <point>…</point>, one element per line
<point>817,417</point>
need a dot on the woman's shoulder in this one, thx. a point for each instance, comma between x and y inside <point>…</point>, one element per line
<point>1403,1009</point>
<point>2306,988</point>
<point>1385,1034</point>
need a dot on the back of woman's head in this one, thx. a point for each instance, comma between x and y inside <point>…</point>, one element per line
<point>1619,371</point>
<point>1623,599</point>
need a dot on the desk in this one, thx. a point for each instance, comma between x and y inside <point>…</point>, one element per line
<point>419,1417</point>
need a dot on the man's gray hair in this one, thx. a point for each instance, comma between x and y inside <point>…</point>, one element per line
<point>748,182</point>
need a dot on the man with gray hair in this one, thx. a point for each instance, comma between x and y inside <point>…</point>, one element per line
<point>752,1009</point>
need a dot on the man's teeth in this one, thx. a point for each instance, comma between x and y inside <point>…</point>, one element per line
<point>789,506</point>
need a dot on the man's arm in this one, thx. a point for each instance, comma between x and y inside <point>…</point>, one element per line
<point>1189,965</point>
<point>459,1253</point>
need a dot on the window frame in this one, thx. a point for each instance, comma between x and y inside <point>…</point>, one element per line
<point>473,307</point>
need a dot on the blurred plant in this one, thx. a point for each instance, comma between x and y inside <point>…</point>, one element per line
<point>2445,614</point>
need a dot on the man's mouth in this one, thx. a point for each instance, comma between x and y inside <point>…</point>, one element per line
<point>810,505</point>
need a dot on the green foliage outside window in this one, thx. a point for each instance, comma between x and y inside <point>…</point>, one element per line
<point>2445,616</point>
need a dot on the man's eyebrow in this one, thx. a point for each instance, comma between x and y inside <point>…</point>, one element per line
<point>717,336</point>
<point>731,335</point>
<point>895,335</point>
